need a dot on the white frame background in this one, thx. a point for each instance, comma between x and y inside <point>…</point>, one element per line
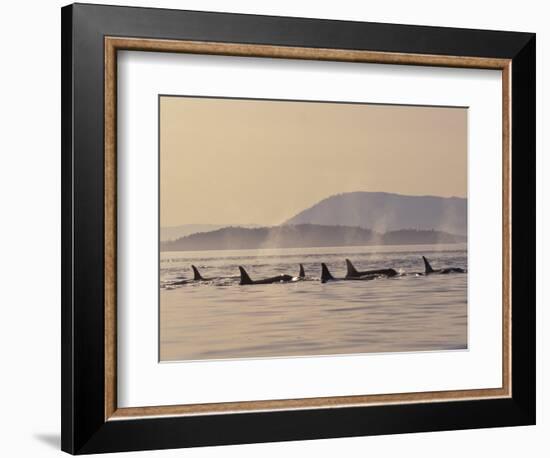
<point>143,381</point>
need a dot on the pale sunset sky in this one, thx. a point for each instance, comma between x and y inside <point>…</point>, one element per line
<point>225,161</point>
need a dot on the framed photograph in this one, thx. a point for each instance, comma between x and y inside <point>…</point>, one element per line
<point>282,228</point>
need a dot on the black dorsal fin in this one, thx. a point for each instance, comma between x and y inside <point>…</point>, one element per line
<point>352,271</point>
<point>196,274</point>
<point>302,273</point>
<point>325,273</point>
<point>427,268</point>
<point>245,279</point>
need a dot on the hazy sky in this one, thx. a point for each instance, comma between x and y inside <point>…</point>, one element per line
<point>251,161</point>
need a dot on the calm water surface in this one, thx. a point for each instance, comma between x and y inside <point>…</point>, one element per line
<point>219,319</point>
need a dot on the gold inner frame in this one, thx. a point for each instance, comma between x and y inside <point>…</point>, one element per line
<point>114,44</point>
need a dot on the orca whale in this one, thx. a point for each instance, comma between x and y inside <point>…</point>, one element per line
<point>302,273</point>
<point>326,276</point>
<point>184,281</point>
<point>197,275</point>
<point>353,272</point>
<point>447,270</point>
<point>246,280</point>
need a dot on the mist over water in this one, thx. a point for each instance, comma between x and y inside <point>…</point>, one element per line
<point>219,319</point>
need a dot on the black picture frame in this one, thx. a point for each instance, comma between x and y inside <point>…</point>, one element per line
<point>84,428</point>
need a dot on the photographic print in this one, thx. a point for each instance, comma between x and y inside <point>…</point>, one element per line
<point>309,228</point>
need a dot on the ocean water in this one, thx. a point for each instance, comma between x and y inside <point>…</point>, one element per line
<point>220,319</point>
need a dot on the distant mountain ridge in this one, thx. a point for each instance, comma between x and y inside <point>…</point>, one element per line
<point>303,235</point>
<point>382,212</point>
<point>176,232</point>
